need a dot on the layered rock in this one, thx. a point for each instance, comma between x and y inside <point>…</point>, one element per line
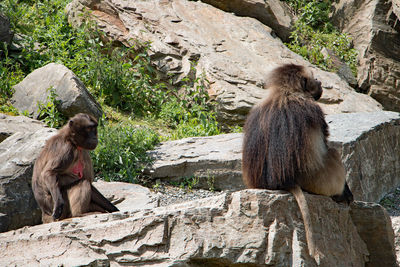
<point>251,228</point>
<point>273,13</point>
<point>215,160</point>
<point>72,93</point>
<point>234,53</point>
<point>374,28</point>
<point>369,143</point>
<point>128,197</point>
<point>18,151</point>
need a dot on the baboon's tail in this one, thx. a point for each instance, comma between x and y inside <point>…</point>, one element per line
<point>305,213</point>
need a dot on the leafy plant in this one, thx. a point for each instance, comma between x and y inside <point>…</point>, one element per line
<point>211,182</point>
<point>188,183</point>
<point>48,111</point>
<point>121,152</point>
<point>190,113</point>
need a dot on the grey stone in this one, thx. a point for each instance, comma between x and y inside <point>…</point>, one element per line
<point>250,228</point>
<point>369,143</point>
<point>273,13</point>
<point>126,196</point>
<point>18,152</point>
<point>377,234</point>
<point>396,229</point>
<point>72,93</point>
<point>374,29</point>
<point>12,124</point>
<point>235,54</point>
<point>216,160</point>
<point>342,69</point>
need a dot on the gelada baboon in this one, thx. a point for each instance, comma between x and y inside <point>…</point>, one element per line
<point>285,144</point>
<point>63,173</point>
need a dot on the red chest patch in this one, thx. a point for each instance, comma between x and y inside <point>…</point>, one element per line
<point>78,167</point>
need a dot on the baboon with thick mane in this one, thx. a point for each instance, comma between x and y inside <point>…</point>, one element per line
<point>285,143</point>
<point>63,173</point>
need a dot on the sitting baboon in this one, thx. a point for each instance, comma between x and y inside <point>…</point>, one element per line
<point>285,144</point>
<point>63,173</point>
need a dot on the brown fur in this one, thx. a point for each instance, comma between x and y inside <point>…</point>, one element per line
<point>59,192</point>
<point>285,143</point>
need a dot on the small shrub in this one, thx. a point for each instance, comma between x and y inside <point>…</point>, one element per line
<point>190,113</point>
<point>121,152</point>
<point>48,112</point>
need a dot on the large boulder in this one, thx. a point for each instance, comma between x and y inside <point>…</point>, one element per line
<point>24,138</point>
<point>375,30</point>
<point>72,93</point>
<point>250,228</point>
<point>235,54</point>
<point>369,143</point>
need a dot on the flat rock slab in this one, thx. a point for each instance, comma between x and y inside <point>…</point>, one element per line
<point>12,124</point>
<point>126,196</point>
<point>369,142</point>
<point>216,160</point>
<point>250,227</point>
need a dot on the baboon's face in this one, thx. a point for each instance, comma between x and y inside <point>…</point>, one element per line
<point>312,86</point>
<point>84,131</point>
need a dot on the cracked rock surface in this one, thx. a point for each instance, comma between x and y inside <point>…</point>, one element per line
<point>250,227</point>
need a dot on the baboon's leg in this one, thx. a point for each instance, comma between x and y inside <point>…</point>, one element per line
<point>79,197</point>
<point>329,179</point>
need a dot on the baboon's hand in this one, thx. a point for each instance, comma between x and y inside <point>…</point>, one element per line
<point>58,209</point>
